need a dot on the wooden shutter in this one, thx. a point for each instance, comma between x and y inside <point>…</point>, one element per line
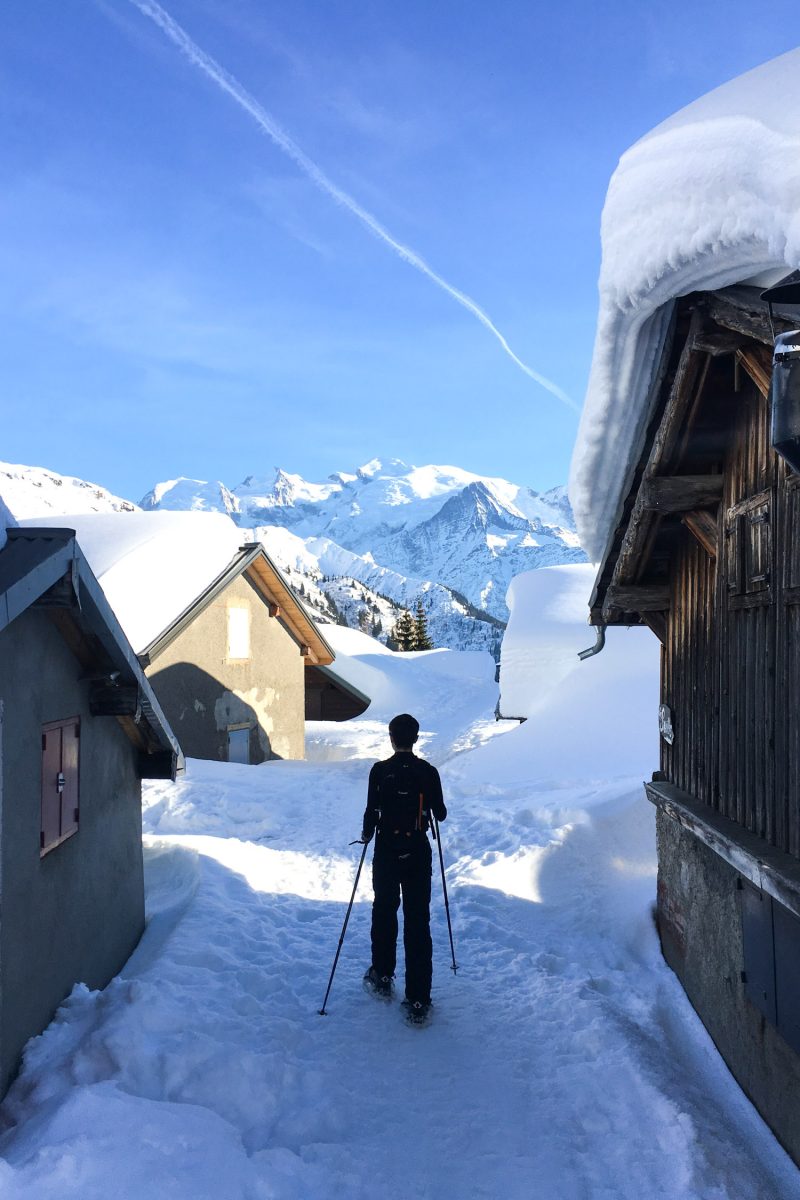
<point>748,551</point>
<point>757,521</point>
<point>51,796</point>
<point>792,539</point>
<point>70,744</point>
<point>732,556</point>
<point>60,782</point>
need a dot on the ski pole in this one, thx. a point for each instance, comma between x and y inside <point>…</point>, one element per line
<point>322,1012</point>
<point>438,839</point>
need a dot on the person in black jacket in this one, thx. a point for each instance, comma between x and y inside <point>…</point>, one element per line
<point>404,793</point>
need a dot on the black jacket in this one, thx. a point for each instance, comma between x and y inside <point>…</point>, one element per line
<point>427,782</point>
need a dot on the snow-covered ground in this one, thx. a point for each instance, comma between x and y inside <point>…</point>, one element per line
<point>563,1061</point>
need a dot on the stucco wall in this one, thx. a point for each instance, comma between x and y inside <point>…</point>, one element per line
<point>701,935</point>
<point>203,691</point>
<point>76,914</point>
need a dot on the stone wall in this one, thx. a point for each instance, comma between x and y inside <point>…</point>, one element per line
<point>699,916</point>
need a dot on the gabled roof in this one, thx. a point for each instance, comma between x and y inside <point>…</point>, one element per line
<point>254,563</point>
<point>159,570</point>
<point>46,567</point>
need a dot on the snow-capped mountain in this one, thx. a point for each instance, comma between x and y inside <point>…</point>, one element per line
<point>433,524</point>
<point>35,492</point>
<point>338,584</point>
<point>181,495</point>
<point>364,545</point>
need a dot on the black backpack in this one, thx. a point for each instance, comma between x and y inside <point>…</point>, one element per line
<point>403,810</point>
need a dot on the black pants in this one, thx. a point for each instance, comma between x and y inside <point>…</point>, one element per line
<point>406,871</point>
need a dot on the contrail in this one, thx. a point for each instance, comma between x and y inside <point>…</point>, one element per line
<point>224,80</point>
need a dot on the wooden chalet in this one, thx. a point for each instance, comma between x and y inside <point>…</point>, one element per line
<point>706,552</point>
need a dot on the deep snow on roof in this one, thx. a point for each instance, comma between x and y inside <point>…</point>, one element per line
<point>153,565</point>
<point>7,521</point>
<point>709,198</point>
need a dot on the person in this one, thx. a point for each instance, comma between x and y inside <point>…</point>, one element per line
<point>404,793</point>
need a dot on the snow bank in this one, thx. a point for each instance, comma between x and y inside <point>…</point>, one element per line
<point>710,198</point>
<point>152,565</point>
<point>423,681</point>
<point>585,719</point>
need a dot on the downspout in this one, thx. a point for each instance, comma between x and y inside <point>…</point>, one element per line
<point>597,647</point>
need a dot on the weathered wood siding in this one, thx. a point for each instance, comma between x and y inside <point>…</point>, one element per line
<point>731,661</point>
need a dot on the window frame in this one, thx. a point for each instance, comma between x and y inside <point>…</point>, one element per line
<point>244,631</point>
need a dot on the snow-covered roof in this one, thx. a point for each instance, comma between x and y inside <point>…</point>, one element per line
<point>7,521</point>
<point>709,198</point>
<point>152,566</point>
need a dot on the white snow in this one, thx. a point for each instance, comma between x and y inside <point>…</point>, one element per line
<point>35,492</point>
<point>191,495</point>
<point>709,198</point>
<point>583,716</point>
<point>7,521</point>
<point>564,1060</point>
<point>152,565</point>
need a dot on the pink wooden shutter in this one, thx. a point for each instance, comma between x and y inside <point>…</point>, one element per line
<point>70,744</point>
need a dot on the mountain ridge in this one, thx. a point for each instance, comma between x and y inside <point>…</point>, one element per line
<point>363,545</point>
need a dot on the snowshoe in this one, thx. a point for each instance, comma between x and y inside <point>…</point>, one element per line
<point>378,985</point>
<point>416,1013</point>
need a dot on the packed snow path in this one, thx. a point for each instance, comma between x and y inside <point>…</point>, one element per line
<point>563,1061</point>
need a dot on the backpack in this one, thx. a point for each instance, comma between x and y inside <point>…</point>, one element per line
<point>403,811</point>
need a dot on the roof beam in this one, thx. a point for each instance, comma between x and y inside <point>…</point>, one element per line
<point>757,361</point>
<point>703,526</point>
<point>640,533</point>
<point>639,597</point>
<point>680,493</point>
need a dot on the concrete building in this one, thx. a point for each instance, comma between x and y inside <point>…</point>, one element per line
<point>224,640</point>
<point>80,727</point>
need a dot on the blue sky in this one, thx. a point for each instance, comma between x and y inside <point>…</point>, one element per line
<point>180,299</point>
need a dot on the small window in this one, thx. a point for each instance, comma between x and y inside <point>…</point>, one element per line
<point>238,633</point>
<point>239,744</point>
<point>748,551</point>
<point>60,783</point>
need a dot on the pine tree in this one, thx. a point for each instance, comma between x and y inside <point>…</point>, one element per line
<point>405,631</point>
<point>421,626</point>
